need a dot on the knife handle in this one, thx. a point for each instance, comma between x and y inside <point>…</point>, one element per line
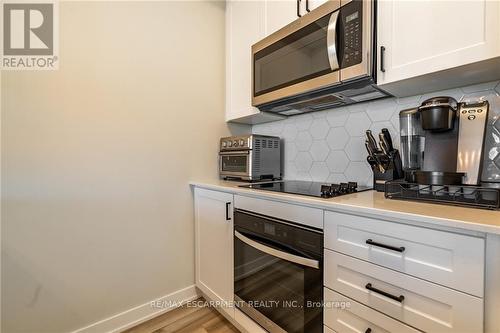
<point>371,140</point>
<point>388,138</point>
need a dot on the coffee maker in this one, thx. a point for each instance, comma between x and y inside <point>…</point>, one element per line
<point>442,143</point>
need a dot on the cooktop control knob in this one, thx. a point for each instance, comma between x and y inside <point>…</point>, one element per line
<point>230,143</point>
<point>242,142</point>
<point>235,143</point>
<point>224,144</point>
<point>352,186</point>
<point>335,189</point>
<point>326,191</point>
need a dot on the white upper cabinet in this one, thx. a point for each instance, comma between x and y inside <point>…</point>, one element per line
<point>245,25</point>
<point>281,12</point>
<point>313,4</point>
<point>422,37</point>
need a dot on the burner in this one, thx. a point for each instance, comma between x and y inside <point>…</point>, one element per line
<point>314,189</point>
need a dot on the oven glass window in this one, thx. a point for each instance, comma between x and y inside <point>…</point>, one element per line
<point>298,57</point>
<point>234,163</point>
<point>285,292</point>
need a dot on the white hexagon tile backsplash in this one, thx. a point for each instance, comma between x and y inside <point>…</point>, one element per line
<point>329,145</point>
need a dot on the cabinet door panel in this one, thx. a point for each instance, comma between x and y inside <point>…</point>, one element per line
<point>245,25</point>
<point>423,37</point>
<point>214,244</point>
<point>280,13</point>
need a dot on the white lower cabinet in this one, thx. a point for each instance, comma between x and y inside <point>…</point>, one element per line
<point>419,303</point>
<point>344,315</point>
<point>446,258</point>
<point>214,246</point>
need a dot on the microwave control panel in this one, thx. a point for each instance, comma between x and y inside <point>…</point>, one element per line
<point>352,22</point>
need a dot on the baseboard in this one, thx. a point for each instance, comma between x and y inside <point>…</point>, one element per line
<point>141,313</point>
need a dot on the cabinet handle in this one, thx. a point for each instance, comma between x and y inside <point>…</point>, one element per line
<point>382,59</point>
<point>298,8</point>
<point>399,298</point>
<point>228,218</point>
<point>368,330</point>
<point>307,6</point>
<point>389,247</point>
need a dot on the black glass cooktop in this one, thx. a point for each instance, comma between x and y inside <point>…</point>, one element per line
<point>314,189</point>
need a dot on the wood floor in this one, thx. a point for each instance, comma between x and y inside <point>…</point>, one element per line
<point>187,319</point>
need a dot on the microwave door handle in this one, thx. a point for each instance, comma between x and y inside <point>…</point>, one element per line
<point>331,41</point>
<point>277,253</point>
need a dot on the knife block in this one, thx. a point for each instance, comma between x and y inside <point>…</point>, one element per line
<point>394,172</point>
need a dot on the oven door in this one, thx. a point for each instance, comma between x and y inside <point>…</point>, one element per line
<point>301,57</point>
<point>279,288</point>
<point>235,164</point>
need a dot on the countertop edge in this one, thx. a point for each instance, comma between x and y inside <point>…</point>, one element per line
<point>430,221</point>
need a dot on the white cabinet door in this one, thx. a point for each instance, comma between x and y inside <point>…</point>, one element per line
<point>423,37</point>
<point>280,13</point>
<point>313,4</point>
<point>214,245</point>
<point>245,25</point>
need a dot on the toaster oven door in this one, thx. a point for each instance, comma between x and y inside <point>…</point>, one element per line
<point>235,164</point>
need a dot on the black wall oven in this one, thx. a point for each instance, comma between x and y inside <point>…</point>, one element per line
<point>278,273</point>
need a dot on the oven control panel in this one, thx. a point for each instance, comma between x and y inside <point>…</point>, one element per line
<point>352,22</point>
<point>235,143</point>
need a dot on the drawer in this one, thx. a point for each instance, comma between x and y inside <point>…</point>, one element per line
<point>446,258</point>
<point>422,304</point>
<point>312,217</point>
<point>356,318</point>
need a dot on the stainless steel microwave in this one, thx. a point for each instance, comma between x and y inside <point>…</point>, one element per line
<point>324,59</point>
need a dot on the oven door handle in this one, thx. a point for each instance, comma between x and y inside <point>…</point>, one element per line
<point>331,41</point>
<point>236,152</point>
<point>277,253</point>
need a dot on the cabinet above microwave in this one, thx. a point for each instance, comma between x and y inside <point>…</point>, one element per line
<point>402,64</point>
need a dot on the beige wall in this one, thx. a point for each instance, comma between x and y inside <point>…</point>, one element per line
<point>96,158</point>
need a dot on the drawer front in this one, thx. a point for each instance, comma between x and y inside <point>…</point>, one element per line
<point>355,317</point>
<point>312,217</point>
<point>421,304</point>
<point>453,260</point>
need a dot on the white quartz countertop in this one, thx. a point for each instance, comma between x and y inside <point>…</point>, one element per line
<point>372,203</point>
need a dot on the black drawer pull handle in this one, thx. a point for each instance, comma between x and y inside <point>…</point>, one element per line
<point>389,247</point>
<point>382,59</point>
<point>399,298</point>
<point>368,330</point>
<point>298,8</point>
<point>228,218</point>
